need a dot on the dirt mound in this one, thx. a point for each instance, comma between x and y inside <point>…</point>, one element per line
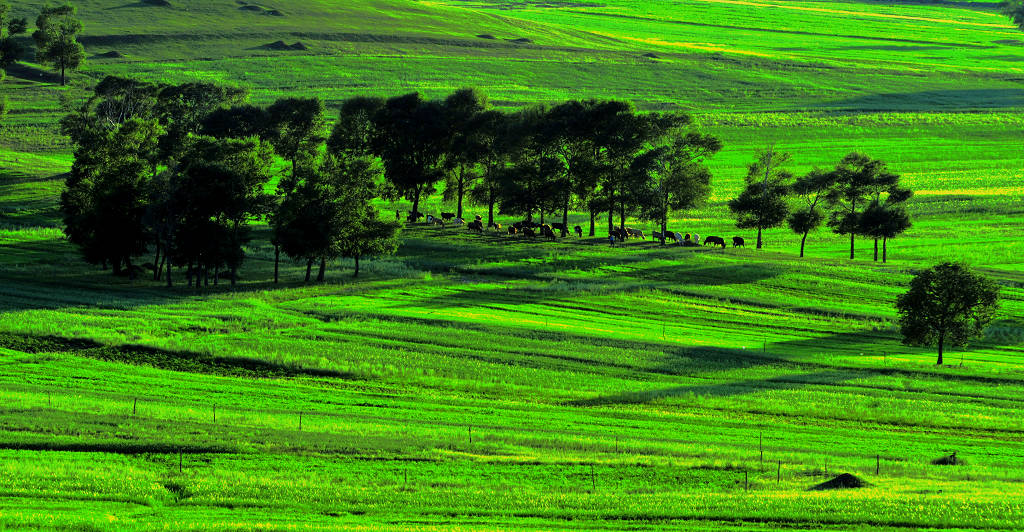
<point>299,46</point>
<point>275,13</point>
<point>253,8</point>
<point>952,459</point>
<point>113,54</point>
<point>277,45</point>
<point>486,36</point>
<point>650,55</point>
<point>844,481</point>
<point>157,3</point>
<point>522,40</point>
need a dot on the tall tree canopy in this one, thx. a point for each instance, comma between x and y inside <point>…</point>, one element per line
<point>56,38</point>
<point>678,177</point>
<point>298,128</point>
<point>411,138</point>
<point>812,190</point>
<point>762,203</point>
<point>858,180</point>
<point>465,148</point>
<point>10,50</point>
<point>946,304</point>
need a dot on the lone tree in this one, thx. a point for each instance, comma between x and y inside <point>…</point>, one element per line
<point>57,39</point>
<point>812,189</point>
<point>762,204</point>
<point>859,180</point>
<point>946,304</point>
<point>10,50</point>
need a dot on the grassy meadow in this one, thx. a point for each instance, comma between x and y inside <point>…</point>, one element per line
<point>480,382</point>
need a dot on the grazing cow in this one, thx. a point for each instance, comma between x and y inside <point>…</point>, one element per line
<point>547,232</point>
<point>478,217</point>
<point>737,241</point>
<point>459,221</point>
<point>529,232</point>
<point>620,234</point>
<point>430,219</point>
<point>497,227</point>
<point>518,225</point>
<point>715,241</point>
<point>579,231</point>
<point>447,216</point>
<point>656,235</point>
<point>475,225</point>
<point>413,216</point>
<point>398,215</point>
<point>678,237</point>
<point>636,232</point>
<point>696,238</point>
<point>512,230</point>
<point>560,227</point>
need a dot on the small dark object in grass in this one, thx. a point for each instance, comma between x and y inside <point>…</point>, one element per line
<point>486,36</point>
<point>844,481</point>
<point>299,46</point>
<point>113,54</point>
<point>158,3</point>
<point>275,13</point>
<point>651,55</point>
<point>251,7</point>
<point>952,459</point>
<point>522,40</point>
<point>277,45</point>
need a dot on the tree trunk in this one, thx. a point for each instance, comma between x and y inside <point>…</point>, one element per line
<point>593,216</point>
<point>565,214</point>
<point>309,269</point>
<point>622,215</point>
<point>758,238</point>
<point>356,273</point>
<point>189,273</point>
<point>156,262</point>
<point>462,185</point>
<point>160,267</point>
<point>277,260</point>
<point>62,78</point>
<point>611,210</point>
<point>416,203</point>
<point>942,339</point>
<point>876,250</point>
<point>170,283</point>
<point>216,275</point>
<point>116,266</point>
<point>490,210</point>
<point>131,272</point>
<point>206,276</point>
<point>852,236</point>
<point>802,242</point>
<point>883,249</point>
<point>323,267</point>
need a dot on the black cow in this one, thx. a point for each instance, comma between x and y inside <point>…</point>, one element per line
<point>413,216</point>
<point>656,235</point>
<point>636,232</point>
<point>579,231</point>
<point>496,226</point>
<point>620,234</point>
<point>547,232</point>
<point>447,216</point>
<point>529,232</point>
<point>715,241</point>
<point>512,230</point>
<point>475,225</point>
<point>737,241</point>
<point>561,228</point>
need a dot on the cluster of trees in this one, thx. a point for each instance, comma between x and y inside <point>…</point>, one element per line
<point>180,171</point>
<point>859,197</point>
<point>56,38</point>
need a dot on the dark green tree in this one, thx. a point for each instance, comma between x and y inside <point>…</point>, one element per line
<point>677,175</point>
<point>492,131</point>
<point>465,148</point>
<point>298,128</point>
<point>946,304</point>
<point>57,39</point>
<point>858,180</point>
<point>526,187</point>
<point>352,135</point>
<point>217,190</point>
<point>10,50</point>
<point>104,200</point>
<point>812,190</point>
<point>237,122</point>
<point>883,221</point>
<point>762,203</point>
<point>411,139</point>
<point>1015,10</point>
<point>183,110</point>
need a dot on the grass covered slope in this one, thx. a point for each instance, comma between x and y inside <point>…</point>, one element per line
<point>481,382</point>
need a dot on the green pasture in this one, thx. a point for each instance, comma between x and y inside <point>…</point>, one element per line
<point>482,382</point>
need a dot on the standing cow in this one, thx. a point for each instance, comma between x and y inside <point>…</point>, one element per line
<point>737,242</point>
<point>715,241</point>
<point>579,231</point>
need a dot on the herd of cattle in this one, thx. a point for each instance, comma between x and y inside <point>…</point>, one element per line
<point>533,229</point>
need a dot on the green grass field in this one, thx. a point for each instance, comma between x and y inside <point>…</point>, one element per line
<point>478,382</point>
